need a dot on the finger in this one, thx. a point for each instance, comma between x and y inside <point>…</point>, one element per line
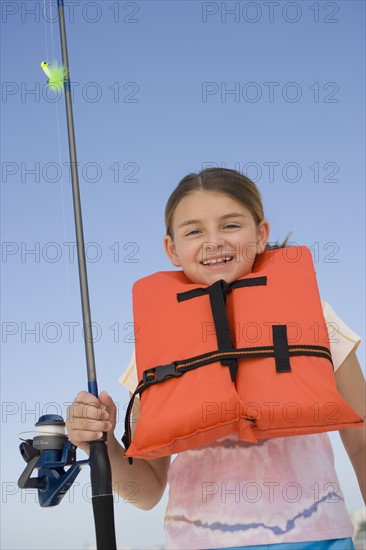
<point>87,398</point>
<point>82,423</point>
<point>86,436</point>
<point>94,425</point>
<point>86,410</point>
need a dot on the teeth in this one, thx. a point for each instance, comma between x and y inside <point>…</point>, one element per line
<point>217,261</point>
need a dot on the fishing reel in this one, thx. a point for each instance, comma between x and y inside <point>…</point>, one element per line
<point>50,452</point>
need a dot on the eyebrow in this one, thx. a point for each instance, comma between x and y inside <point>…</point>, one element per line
<point>224,217</point>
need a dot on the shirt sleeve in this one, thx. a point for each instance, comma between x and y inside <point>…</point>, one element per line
<point>129,376</point>
<point>342,341</point>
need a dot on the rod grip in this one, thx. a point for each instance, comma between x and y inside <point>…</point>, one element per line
<point>102,496</point>
<point>104,522</point>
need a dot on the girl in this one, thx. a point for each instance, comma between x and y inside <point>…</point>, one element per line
<point>281,492</point>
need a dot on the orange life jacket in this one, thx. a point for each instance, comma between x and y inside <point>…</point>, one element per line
<point>250,357</point>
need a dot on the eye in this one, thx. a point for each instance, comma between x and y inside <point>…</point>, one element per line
<point>232,226</point>
<point>192,233</point>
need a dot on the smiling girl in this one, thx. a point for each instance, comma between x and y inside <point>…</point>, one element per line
<point>281,492</point>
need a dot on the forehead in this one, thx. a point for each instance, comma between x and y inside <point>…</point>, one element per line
<point>202,204</point>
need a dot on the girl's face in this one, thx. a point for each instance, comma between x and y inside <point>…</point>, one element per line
<point>214,237</point>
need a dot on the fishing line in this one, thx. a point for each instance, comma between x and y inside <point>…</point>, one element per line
<point>61,182</point>
<point>45,27</point>
<point>52,35</point>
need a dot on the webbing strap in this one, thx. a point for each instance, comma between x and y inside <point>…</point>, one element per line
<point>127,436</point>
<point>281,351</point>
<point>217,293</point>
<point>253,281</point>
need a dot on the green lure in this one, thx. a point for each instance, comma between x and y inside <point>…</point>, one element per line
<point>56,74</point>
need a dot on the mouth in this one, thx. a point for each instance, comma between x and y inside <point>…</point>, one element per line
<point>216,261</point>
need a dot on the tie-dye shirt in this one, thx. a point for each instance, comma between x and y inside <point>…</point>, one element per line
<point>232,493</point>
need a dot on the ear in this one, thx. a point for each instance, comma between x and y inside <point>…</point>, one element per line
<point>170,250</point>
<point>263,231</point>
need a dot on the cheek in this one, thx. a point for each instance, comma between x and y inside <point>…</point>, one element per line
<point>186,249</point>
<point>183,253</point>
<point>249,252</point>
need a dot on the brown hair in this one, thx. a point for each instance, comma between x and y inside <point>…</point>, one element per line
<point>219,180</point>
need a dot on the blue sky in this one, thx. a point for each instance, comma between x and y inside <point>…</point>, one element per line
<point>274,89</point>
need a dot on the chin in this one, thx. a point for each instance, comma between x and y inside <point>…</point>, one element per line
<point>214,278</point>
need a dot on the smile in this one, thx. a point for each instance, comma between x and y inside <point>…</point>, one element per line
<point>217,261</point>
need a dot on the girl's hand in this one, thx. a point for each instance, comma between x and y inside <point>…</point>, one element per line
<point>88,417</point>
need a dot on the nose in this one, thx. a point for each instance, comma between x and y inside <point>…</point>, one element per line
<point>214,237</point>
<point>213,246</point>
<point>220,243</point>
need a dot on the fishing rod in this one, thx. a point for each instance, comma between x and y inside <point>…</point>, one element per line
<point>50,450</point>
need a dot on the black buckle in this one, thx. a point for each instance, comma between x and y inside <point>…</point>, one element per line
<point>163,372</point>
<point>160,373</point>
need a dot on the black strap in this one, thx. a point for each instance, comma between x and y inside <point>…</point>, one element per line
<point>127,436</point>
<point>154,375</point>
<point>281,350</point>
<point>217,293</point>
<point>253,281</point>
